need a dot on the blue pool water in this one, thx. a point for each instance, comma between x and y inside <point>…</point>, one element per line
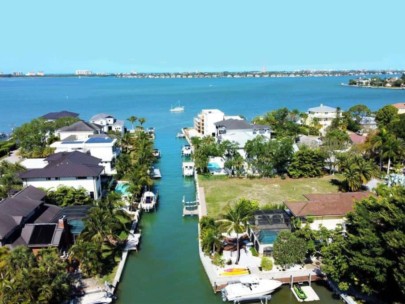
<point>76,226</point>
<point>267,236</point>
<point>213,166</point>
<point>122,189</point>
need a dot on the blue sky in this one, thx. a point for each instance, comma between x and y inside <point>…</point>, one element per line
<point>210,35</point>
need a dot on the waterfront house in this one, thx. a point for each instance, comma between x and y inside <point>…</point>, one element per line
<point>400,106</point>
<point>324,115</point>
<point>108,123</point>
<point>71,169</point>
<point>79,130</point>
<point>100,146</point>
<point>204,123</point>
<point>328,210</point>
<point>239,131</point>
<point>26,220</point>
<point>264,228</point>
<point>52,116</point>
<point>368,123</point>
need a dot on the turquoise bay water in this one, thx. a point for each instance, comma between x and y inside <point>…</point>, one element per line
<point>167,268</point>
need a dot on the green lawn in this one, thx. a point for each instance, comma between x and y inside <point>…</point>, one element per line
<point>221,191</point>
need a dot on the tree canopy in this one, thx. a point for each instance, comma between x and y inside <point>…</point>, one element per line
<point>289,250</point>
<point>34,137</point>
<point>371,256</point>
<point>28,279</point>
<point>307,163</point>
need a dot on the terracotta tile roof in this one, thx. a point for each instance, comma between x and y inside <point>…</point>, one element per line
<point>332,204</point>
<point>357,139</point>
<point>400,105</point>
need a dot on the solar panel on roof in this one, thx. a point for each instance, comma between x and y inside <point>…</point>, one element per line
<point>42,234</point>
<point>99,140</point>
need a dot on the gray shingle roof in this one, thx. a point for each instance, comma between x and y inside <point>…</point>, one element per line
<point>80,126</point>
<point>233,124</point>
<point>67,164</point>
<point>101,116</point>
<point>14,209</point>
<point>57,115</point>
<point>322,108</point>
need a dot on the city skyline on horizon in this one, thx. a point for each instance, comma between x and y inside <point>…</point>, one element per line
<point>175,37</point>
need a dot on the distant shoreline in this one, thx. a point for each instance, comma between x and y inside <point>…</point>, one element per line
<point>370,87</point>
<point>224,74</point>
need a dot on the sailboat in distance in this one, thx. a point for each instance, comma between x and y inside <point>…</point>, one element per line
<point>177,109</point>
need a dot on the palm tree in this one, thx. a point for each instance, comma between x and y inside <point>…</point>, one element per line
<point>235,221</point>
<point>210,240</point>
<point>132,120</point>
<point>392,148</point>
<point>141,122</point>
<point>357,171</point>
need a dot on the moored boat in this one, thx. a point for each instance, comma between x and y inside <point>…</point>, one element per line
<point>148,201</point>
<point>249,288</point>
<point>188,169</point>
<point>186,150</point>
<point>156,153</point>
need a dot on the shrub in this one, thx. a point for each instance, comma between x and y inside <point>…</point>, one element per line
<point>266,264</point>
<point>254,251</point>
<point>217,260</point>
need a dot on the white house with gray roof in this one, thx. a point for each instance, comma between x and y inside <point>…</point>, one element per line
<point>240,132</point>
<point>108,123</point>
<point>71,169</point>
<point>79,130</point>
<point>324,114</point>
<point>100,146</point>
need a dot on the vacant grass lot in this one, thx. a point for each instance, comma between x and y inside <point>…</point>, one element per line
<point>221,191</point>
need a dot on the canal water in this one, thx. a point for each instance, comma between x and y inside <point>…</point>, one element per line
<point>167,268</point>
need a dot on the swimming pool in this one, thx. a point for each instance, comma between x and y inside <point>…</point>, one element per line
<point>213,166</point>
<point>267,236</point>
<point>122,188</point>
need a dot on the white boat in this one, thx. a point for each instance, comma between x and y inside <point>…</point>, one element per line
<point>180,135</point>
<point>249,288</point>
<point>177,109</point>
<point>148,201</point>
<point>156,153</point>
<point>188,168</point>
<point>186,150</point>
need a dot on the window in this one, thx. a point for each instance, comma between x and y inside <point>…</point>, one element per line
<point>48,178</point>
<point>81,177</point>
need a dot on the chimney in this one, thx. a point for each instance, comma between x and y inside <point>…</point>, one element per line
<point>61,223</point>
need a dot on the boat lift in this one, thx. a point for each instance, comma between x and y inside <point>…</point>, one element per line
<point>190,208</point>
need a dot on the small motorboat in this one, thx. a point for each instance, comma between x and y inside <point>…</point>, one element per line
<point>186,150</point>
<point>249,288</point>
<point>188,169</point>
<point>156,153</point>
<point>148,201</point>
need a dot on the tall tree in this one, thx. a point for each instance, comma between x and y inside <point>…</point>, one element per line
<point>289,249</point>
<point>132,120</point>
<point>371,255</point>
<point>235,220</point>
<point>307,163</point>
